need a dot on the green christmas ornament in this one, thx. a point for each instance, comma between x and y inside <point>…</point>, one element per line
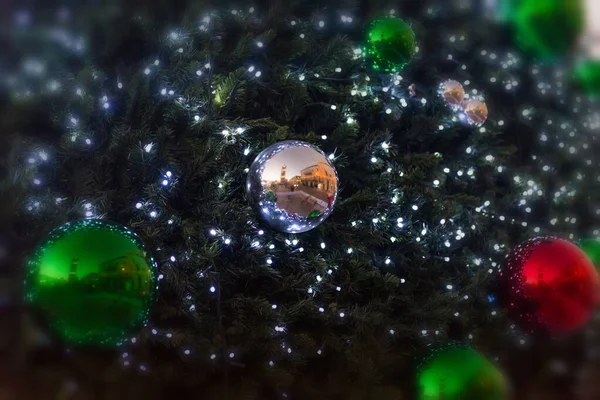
<point>591,248</point>
<point>587,76</point>
<point>545,28</point>
<point>390,45</point>
<point>456,372</point>
<point>93,281</point>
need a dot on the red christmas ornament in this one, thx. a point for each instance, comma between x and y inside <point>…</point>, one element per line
<point>550,285</point>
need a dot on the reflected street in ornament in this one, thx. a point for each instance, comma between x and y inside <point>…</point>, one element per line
<point>93,281</point>
<point>293,185</point>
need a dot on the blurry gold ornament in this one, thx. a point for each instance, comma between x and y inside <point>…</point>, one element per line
<point>452,92</point>
<point>475,112</point>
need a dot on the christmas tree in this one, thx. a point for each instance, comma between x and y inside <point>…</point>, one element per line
<point>151,115</point>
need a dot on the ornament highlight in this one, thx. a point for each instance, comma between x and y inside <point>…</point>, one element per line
<point>93,282</point>
<point>456,372</point>
<point>549,285</point>
<point>293,186</point>
<point>545,29</point>
<point>474,112</point>
<point>452,92</point>
<point>390,44</point>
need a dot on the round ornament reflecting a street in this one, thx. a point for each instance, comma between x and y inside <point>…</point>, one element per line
<point>452,92</point>
<point>293,186</point>
<point>93,282</point>
<point>475,112</point>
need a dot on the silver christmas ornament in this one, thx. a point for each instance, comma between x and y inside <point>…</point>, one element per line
<point>292,185</point>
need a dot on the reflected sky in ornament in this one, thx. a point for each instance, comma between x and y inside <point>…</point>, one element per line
<point>86,247</point>
<point>295,159</point>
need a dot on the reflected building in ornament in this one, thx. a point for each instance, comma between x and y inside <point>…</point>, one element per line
<point>282,178</point>
<point>73,270</point>
<point>319,176</point>
<point>124,274</point>
<point>295,180</point>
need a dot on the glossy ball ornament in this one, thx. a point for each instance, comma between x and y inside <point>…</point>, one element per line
<point>587,77</point>
<point>591,248</point>
<point>390,44</point>
<point>474,112</point>
<point>452,92</point>
<point>549,285</point>
<point>292,185</point>
<point>456,372</point>
<point>545,29</point>
<point>93,282</point>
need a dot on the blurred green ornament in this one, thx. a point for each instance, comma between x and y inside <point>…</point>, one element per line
<point>545,28</point>
<point>591,248</point>
<point>587,76</point>
<point>93,281</point>
<point>390,45</point>
<point>456,372</point>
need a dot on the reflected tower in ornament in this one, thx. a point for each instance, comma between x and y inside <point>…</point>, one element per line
<point>282,178</point>
<point>73,270</point>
